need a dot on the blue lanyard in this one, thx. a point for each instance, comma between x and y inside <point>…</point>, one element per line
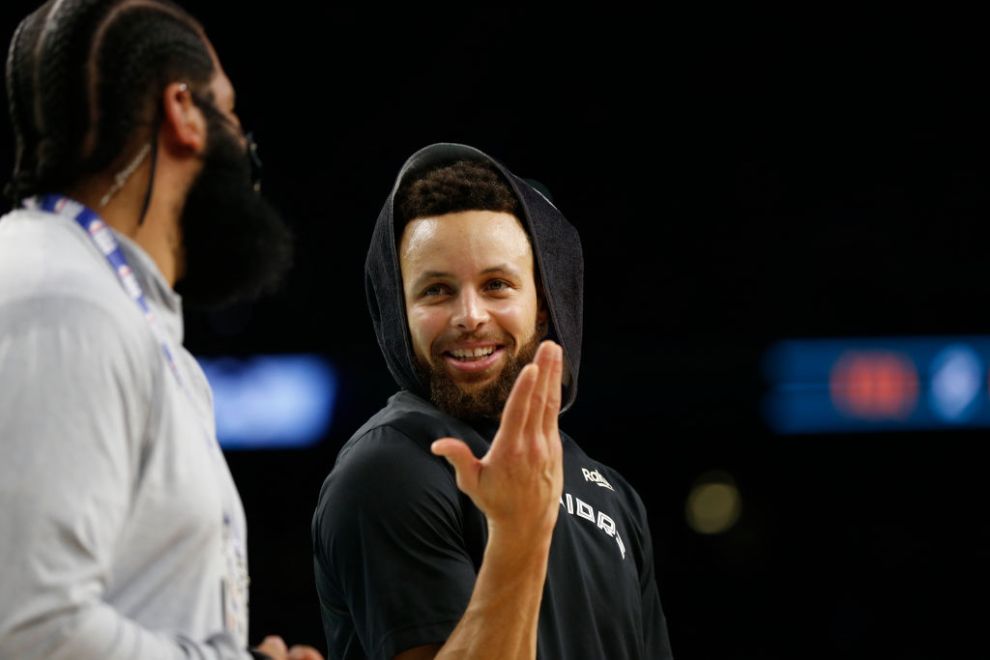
<point>104,240</point>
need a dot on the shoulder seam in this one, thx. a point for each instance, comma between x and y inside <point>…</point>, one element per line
<point>383,425</point>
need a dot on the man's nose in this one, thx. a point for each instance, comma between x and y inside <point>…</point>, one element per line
<point>470,313</point>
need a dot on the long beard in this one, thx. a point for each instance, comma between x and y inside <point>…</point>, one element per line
<point>235,245</point>
<point>484,403</point>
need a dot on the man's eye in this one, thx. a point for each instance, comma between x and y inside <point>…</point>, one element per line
<point>497,285</point>
<point>435,290</point>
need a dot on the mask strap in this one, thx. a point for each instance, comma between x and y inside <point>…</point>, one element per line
<point>151,175</point>
<point>121,177</point>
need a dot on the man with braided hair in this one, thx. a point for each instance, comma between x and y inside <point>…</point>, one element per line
<point>121,531</point>
<point>459,521</point>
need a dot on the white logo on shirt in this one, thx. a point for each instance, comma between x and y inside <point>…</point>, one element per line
<point>578,507</point>
<point>594,476</point>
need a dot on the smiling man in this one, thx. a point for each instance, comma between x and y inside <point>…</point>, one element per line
<point>459,522</point>
<point>474,326</point>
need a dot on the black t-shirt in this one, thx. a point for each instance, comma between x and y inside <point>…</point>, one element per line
<point>397,548</point>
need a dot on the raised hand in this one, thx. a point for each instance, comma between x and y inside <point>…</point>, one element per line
<point>518,483</point>
<point>275,647</point>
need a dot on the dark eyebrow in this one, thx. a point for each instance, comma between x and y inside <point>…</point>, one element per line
<point>501,268</point>
<point>439,274</point>
<point>429,275</point>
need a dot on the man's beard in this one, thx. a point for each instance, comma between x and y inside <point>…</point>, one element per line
<point>480,403</point>
<point>235,245</point>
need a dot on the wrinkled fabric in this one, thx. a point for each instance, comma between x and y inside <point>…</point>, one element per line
<point>112,485</point>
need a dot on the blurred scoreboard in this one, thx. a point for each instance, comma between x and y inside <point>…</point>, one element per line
<point>877,384</point>
<point>271,401</point>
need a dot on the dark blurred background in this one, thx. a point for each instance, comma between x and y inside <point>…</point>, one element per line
<point>737,178</point>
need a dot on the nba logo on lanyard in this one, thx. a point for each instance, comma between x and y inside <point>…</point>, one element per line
<point>234,589</point>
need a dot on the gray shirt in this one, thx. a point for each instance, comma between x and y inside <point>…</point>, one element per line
<point>121,531</point>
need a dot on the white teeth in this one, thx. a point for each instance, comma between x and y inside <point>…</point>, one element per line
<point>465,353</point>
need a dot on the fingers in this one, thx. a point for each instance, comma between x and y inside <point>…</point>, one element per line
<point>516,409</point>
<point>304,652</point>
<point>552,409</point>
<point>538,398</point>
<point>466,466</point>
<point>274,646</point>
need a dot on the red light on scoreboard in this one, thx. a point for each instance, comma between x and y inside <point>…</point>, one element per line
<point>875,385</point>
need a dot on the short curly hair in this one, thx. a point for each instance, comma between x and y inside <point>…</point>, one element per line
<point>465,185</point>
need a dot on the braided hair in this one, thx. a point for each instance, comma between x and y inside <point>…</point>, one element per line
<point>84,76</point>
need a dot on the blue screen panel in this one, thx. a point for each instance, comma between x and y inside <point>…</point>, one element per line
<point>878,384</point>
<point>271,401</point>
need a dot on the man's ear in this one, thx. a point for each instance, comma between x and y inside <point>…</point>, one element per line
<point>183,127</point>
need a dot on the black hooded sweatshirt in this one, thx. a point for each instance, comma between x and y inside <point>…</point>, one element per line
<point>397,546</point>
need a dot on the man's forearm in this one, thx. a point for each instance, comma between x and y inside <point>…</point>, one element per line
<point>502,615</point>
<point>517,485</point>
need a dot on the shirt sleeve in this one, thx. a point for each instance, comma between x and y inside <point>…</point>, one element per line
<point>392,564</point>
<point>656,641</point>
<point>74,397</point>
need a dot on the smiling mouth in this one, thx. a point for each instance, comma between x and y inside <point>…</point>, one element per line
<point>471,354</point>
<point>473,359</point>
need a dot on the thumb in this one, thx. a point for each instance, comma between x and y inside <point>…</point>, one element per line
<point>458,454</point>
<point>274,646</point>
<point>304,652</point>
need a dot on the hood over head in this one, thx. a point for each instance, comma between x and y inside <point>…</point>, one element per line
<point>557,259</point>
